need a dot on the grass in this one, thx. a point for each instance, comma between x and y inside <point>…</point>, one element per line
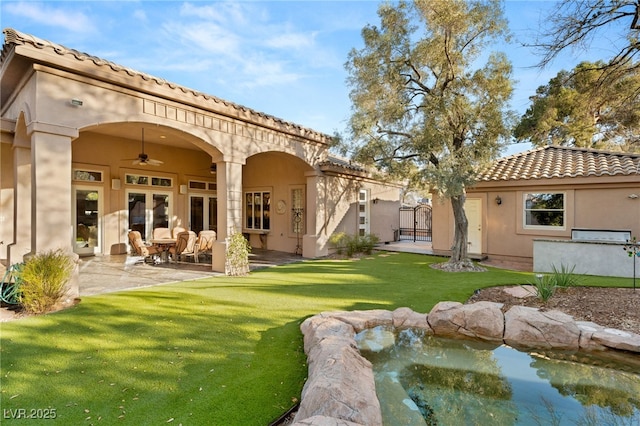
<point>217,351</point>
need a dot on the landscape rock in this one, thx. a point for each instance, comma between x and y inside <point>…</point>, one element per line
<point>340,385</point>
<point>617,339</point>
<point>527,327</point>
<point>481,320</point>
<point>324,421</point>
<point>361,320</point>
<point>408,318</point>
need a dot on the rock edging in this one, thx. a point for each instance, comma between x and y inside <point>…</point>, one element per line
<point>340,389</point>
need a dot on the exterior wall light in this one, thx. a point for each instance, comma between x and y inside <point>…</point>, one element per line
<point>633,196</point>
<point>76,102</point>
<point>498,200</point>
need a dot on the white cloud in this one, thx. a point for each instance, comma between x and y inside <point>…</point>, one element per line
<point>56,17</point>
<point>291,41</point>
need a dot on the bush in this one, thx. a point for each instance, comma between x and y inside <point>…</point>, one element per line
<point>44,278</point>
<point>352,244</point>
<point>237,255</point>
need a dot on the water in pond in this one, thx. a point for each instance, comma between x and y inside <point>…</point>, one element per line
<point>435,381</point>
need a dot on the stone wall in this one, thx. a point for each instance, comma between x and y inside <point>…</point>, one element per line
<point>340,389</point>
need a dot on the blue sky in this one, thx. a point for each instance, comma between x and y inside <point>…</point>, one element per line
<point>283,58</point>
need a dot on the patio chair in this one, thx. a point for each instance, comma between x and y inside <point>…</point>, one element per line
<point>185,245</point>
<point>139,248</point>
<point>204,243</point>
<point>176,230</point>
<point>161,233</point>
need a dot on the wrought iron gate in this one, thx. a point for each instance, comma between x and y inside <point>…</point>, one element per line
<point>415,223</point>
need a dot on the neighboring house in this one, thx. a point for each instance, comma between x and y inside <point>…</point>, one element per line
<point>544,194</point>
<point>73,126</point>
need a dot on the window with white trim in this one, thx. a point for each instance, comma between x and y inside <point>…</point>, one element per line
<point>544,210</point>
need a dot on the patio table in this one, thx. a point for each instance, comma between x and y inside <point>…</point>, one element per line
<point>163,245</point>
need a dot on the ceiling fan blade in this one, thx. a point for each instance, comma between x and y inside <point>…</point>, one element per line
<point>152,162</point>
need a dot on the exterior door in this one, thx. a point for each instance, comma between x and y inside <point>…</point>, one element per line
<point>88,218</point>
<point>148,210</point>
<point>473,210</point>
<point>363,213</point>
<point>203,213</point>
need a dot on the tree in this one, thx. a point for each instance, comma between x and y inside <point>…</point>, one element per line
<point>420,103</point>
<point>574,23</point>
<point>573,110</point>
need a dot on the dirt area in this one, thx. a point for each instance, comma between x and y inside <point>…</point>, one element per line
<point>609,307</point>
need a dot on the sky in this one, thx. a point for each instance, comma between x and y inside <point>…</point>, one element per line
<point>282,58</point>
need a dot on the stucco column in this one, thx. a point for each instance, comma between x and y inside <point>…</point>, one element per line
<point>314,241</point>
<point>51,214</point>
<point>22,203</point>
<point>229,183</point>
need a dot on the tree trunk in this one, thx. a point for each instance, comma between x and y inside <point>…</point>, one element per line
<point>460,236</point>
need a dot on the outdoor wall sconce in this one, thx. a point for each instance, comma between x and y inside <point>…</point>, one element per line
<point>76,102</point>
<point>375,200</point>
<point>498,200</point>
<point>632,196</point>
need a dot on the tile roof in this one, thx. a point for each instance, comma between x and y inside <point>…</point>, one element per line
<point>14,37</point>
<point>561,162</point>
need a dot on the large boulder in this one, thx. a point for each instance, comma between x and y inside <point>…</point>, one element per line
<point>527,327</point>
<point>481,320</point>
<point>340,385</point>
<point>408,318</point>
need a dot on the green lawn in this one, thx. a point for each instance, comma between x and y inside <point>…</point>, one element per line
<point>216,351</point>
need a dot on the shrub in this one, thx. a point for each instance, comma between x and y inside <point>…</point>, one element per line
<point>237,255</point>
<point>352,244</point>
<point>44,278</point>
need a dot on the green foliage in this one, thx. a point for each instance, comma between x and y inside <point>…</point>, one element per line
<point>237,255</point>
<point>425,107</point>
<point>546,285</point>
<point>352,244</point>
<point>44,278</point>
<point>564,277</point>
<point>576,109</point>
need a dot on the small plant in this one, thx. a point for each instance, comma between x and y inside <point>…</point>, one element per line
<point>564,277</point>
<point>43,280</point>
<point>545,286</point>
<point>237,255</point>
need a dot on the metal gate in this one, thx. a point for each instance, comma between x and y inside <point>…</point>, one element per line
<point>415,223</point>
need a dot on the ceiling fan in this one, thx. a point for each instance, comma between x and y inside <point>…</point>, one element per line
<point>143,159</point>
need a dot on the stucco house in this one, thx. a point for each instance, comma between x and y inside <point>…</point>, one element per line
<point>548,194</point>
<point>91,149</point>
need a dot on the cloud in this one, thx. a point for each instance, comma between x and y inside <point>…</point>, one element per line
<point>56,17</point>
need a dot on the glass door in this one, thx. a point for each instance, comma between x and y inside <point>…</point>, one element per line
<point>148,210</point>
<point>203,213</point>
<point>88,212</point>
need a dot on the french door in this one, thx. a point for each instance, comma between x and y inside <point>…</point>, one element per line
<point>148,210</point>
<point>203,213</point>
<point>87,232</point>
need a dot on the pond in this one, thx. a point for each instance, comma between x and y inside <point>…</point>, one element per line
<point>422,379</point>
